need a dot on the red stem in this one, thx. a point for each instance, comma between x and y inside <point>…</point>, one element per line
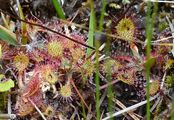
<point>72,82</point>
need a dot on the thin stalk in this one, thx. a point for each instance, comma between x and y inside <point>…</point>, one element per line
<point>83,110</point>
<point>172,113</point>
<point>43,117</point>
<point>149,31</point>
<point>91,41</point>
<point>97,81</point>
<point>149,37</point>
<point>102,15</point>
<point>110,93</point>
<point>9,104</point>
<point>109,77</point>
<point>49,29</point>
<point>79,94</point>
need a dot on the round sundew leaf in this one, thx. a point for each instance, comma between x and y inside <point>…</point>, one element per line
<point>51,77</point>
<point>66,91</point>
<point>126,29</point>
<point>48,75</point>
<point>55,49</point>
<point>77,54</point>
<point>21,61</point>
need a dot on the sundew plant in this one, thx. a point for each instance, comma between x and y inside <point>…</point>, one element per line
<point>92,60</point>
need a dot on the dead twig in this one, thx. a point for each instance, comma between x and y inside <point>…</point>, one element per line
<point>124,107</point>
<point>107,84</point>
<point>44,27</point>
<point>43,117</point>
<point>172,30</point>
<point>162,82</point>
<point>9,104</point>
<point>73,84</point>
<point>7,116</point>
<point>130,108</point>
<point>159,1</point>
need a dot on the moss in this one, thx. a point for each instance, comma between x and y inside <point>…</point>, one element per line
<point>162,26</point>
<point>3,99</point>
<point>169,81</point>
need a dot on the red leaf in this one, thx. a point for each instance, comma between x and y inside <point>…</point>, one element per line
<point>32,87</point>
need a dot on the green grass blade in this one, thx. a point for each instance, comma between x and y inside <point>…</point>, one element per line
<point>21,15</point>
<point>59,9</point>
<point>97,81</point>
<point>92,21</point>
<point>90,42</point>
<point>172,112</point>
<point>150,20</point>
<point>102,15</point>
<point>108,65</point>
<point>24,39</point>
<point>110,91</point>
<point>7,36</point>
<point>5,21</point>
<point>149,37</point>
<point>83,110</point>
